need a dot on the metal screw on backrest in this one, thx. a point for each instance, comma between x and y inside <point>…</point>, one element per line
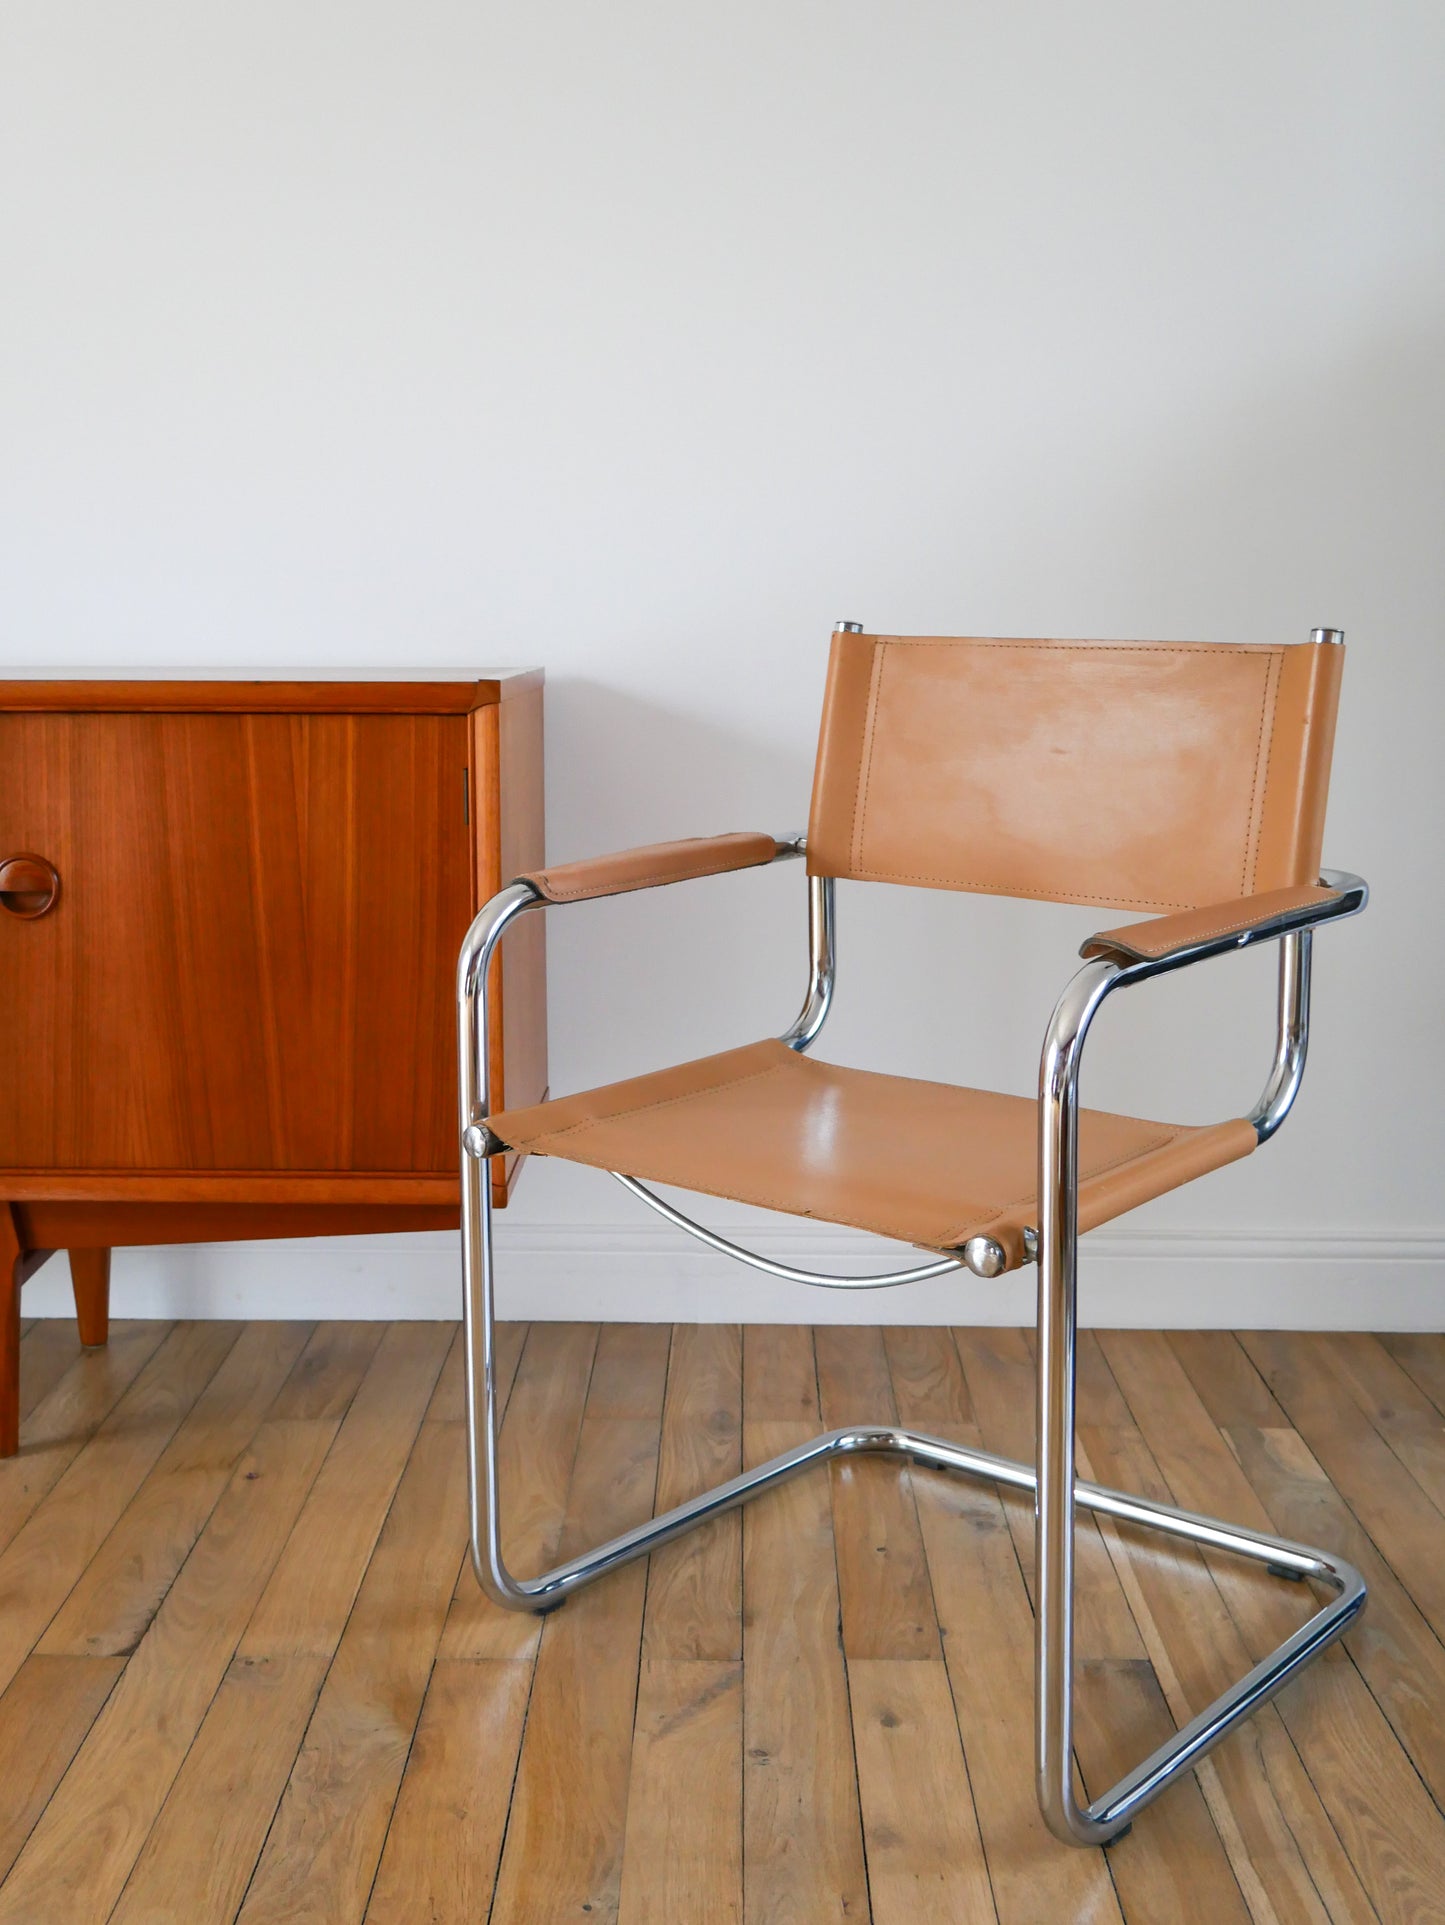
<point>847,628</point>
<point>1327,635</point>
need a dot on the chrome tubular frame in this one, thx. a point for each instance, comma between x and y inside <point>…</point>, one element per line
<point>1057,1491</point>
<point>1296,956</point>
<point>936,1268</point>
<point>822,964</point>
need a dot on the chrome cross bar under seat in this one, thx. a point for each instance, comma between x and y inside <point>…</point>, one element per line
<point>1057,1490</point>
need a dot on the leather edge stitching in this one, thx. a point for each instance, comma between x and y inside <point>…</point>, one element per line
<point>1009,889</point>
<point>1254,825</point>
<point>858,827</point>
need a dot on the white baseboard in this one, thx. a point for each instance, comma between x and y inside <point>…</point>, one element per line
<point>1365,1281</point>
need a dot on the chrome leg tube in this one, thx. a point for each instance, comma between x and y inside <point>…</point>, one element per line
<point>1287,1071</point>
<point>479,1327</point>
<point>1058,1238</point>
<point>1054,1417</point>
<point>478,1280</point>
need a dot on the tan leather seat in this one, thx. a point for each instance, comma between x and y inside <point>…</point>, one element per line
<point>925,1162</point>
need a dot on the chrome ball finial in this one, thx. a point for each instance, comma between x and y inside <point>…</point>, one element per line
<point>985,1257</point>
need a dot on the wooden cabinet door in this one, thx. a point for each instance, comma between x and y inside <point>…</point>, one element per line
<point>250,965</point>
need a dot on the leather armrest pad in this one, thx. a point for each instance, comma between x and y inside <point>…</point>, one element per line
<point>1165,935</point>
<point>649,867</point>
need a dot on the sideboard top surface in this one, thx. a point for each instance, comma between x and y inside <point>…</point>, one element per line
<point>356,691</point>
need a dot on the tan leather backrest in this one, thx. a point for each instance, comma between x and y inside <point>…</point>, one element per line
<point>1137,775</point>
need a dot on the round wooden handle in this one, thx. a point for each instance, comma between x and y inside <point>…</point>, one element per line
<point>29,885</point>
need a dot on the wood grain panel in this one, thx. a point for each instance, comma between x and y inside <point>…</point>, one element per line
<point>310,1593</point>
<point>13,1269</point>
<point>47,1557</point>
<point>1421,1354</point>
<point>928,1379</point>
<point>983,1612</point>
<point>81,1852</point>
<point>45,1713</point>
<point>1397,1652</point>
<point>113,1602</point>
<point>563,1854</point>
<point>999,1366</point>
<point>64,1421</point>
<point>1281,1846</point>
<point>235,1772</point>
<point>925,1857</point>
<point>66,1226</point>
<point>1387,1822</point>
<point>882,1572</point>
<point>225,1792</point>
<point>255,909</point>
<point>328,1371</point>
<point>780,1374</point>
<point>47,1350</point>
<point>1158,1872</point>
<point>446,693</point>
<point>802,1831</point>
<point>1369,1475</point>
<point>522,839</point>
<point>683,1853</point>
<point>538,1449</point>
<point>1395,1405</point>
<point>168,1781</point>
<point>90,1283</point>
<point>442,1848</point>
<point>323,1849</point>
<point>694,1585</point>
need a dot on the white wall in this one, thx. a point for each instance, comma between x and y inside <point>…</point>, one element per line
<point>643,341</point>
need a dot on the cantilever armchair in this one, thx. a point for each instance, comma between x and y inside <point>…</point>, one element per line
<point>1185,782</point>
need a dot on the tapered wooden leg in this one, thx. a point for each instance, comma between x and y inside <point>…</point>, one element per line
<point>90,1280</point>
<point>12,1258</point>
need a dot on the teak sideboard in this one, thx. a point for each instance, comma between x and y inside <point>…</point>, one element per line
<point>230,913</point>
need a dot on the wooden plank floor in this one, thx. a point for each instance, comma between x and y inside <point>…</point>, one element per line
<point>245,1672</point>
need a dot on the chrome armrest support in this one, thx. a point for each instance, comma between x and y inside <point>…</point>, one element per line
<point>1296,955</point>
<point>496,916</point>
<point>1294,932</point>
<point>822,964</point>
